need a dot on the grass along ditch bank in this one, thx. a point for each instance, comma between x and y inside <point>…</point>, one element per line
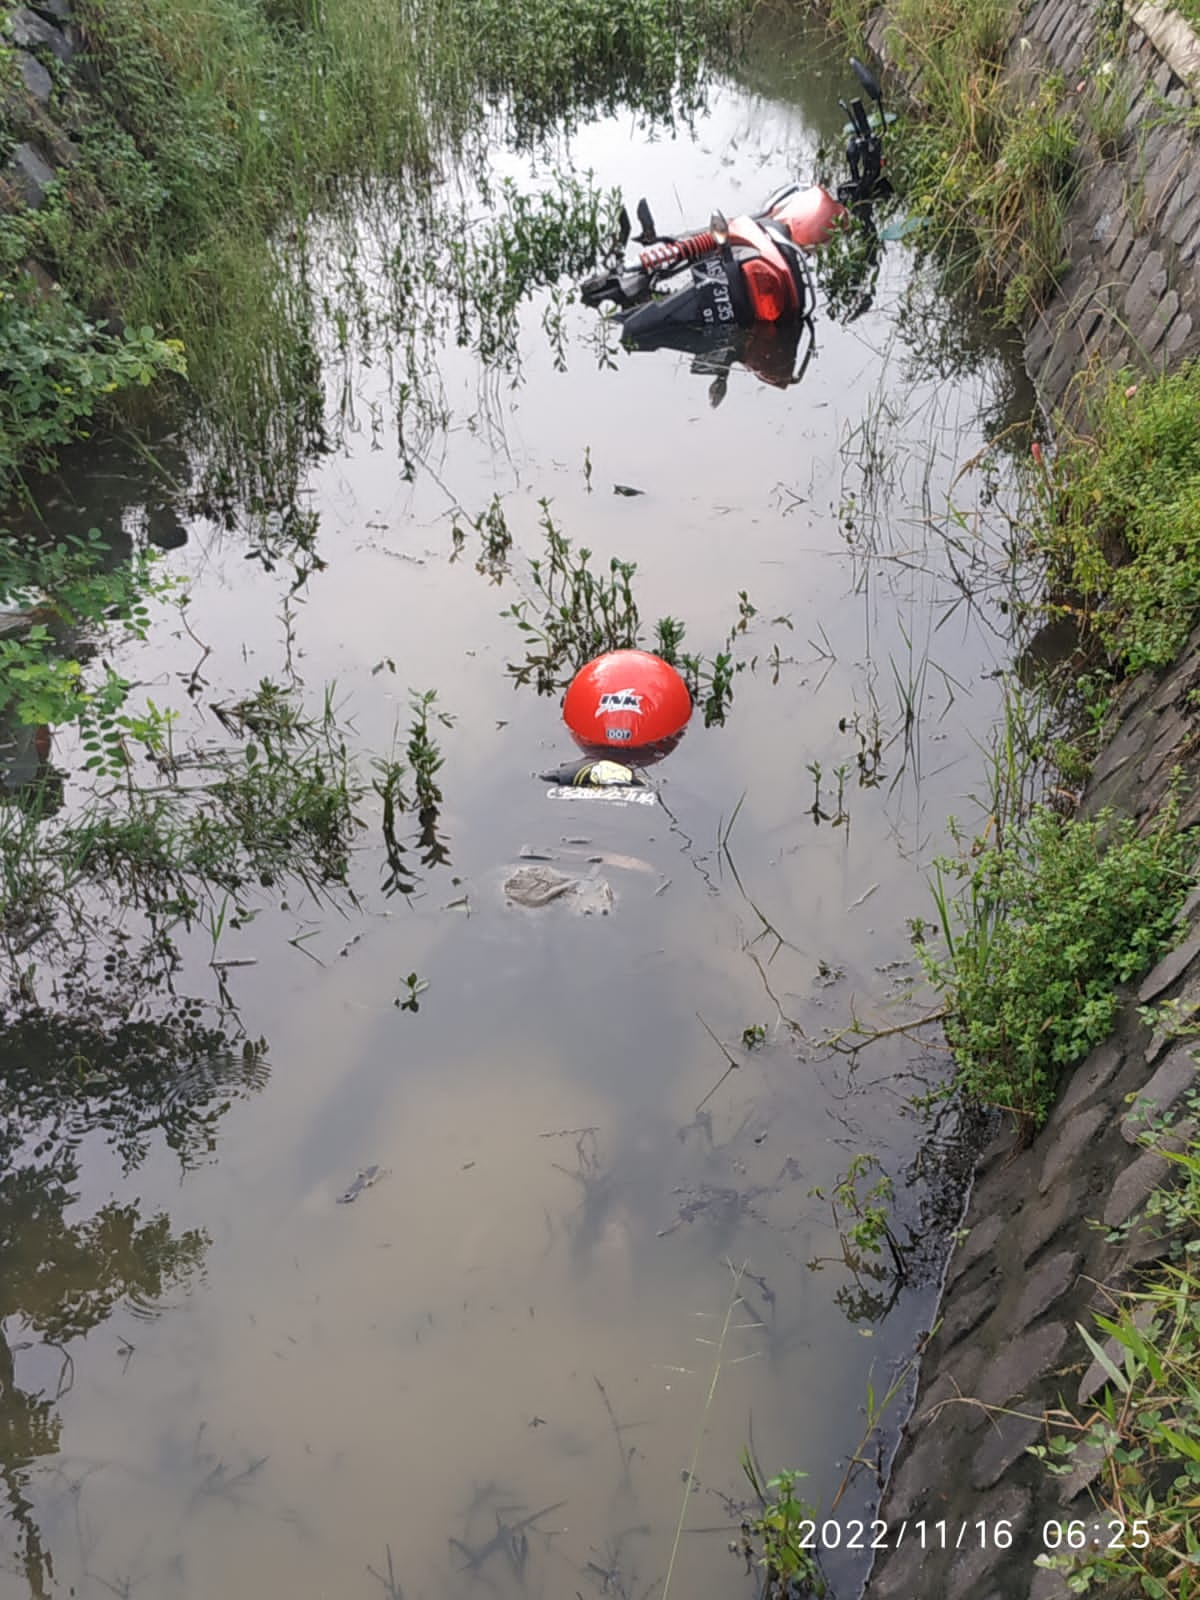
<point>988,160</point>
<point>1138,1437</point>
<point>1119,536</point>
<point>1044,914</point>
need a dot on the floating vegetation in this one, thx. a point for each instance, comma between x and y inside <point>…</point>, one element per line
<point>278,809</point>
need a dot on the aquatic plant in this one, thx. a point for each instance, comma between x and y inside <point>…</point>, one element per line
<point>70,593</point>
<point>279,808</point>
<point>57,370</point>
<point>776,1537</point>
<point>577,613</point>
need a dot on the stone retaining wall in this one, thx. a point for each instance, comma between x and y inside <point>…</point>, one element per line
<point>1037,1246</point>
<point>31,113</point>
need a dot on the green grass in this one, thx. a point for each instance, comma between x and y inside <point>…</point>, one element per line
<point>1123,526</point>
<point>986,166</point>
<point>1045,928</point>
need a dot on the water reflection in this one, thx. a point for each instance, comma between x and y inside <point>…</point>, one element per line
<point>95,1068</point>
<point>775,353</point>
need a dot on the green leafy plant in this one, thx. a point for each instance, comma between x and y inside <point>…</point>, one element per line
<point>578,613</point>
<point>64,594</point>
<point>280,807</point>
<point>422,760</point>
<point>860,1204</point>
<point>58,371</point>
<point>775,1538</point>
<point>1123,535</point>
<point>414,987</point>
<point>1044,929</point>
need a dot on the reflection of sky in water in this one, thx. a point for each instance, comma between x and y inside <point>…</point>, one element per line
<point>425,1362</point>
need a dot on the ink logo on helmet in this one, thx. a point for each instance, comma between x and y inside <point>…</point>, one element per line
<point>620,700</point>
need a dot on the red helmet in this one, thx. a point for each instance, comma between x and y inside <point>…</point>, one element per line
<point>625,699</point>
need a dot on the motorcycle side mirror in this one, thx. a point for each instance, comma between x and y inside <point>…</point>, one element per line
<point>868,80</point>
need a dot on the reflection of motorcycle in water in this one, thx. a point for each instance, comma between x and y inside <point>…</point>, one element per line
<point>777,353</point>
<point>751,271</point>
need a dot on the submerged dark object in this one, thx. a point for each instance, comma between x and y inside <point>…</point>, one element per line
<point>363,1180</point>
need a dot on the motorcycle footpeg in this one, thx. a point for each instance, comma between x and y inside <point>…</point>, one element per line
<point>649,233</point>
<point>595,291</point>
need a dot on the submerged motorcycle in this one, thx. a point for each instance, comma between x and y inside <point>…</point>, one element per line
<point>749,271</point>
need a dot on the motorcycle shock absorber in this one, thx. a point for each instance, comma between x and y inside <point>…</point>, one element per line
<point>674,252</point>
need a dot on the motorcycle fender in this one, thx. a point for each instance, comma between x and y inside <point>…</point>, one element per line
<point>810,216</point>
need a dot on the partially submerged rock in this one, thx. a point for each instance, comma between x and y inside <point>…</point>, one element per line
<point>537,885</point>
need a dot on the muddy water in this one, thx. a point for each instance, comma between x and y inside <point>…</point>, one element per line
<point>519,1355</point>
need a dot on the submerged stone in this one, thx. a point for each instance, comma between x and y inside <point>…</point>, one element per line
<point>537,886</point>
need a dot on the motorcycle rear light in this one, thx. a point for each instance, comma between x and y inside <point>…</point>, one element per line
<point>768,295</point>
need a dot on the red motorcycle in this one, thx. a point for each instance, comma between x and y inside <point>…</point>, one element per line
<point>751,270</point>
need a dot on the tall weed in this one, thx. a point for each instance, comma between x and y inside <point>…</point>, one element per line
<point>987,165</point>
